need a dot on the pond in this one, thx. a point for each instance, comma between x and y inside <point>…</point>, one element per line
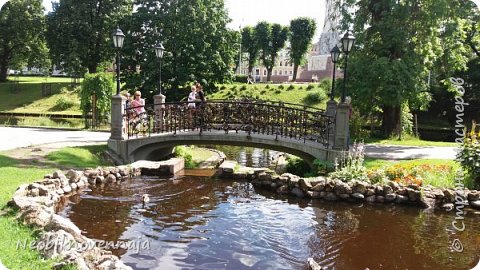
<point>197,222</point>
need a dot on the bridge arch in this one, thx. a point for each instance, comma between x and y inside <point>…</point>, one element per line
<point>306,132</point>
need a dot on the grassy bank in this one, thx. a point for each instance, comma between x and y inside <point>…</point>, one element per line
<point>314,94</point>
<point>410,141</point>
<point>13,173</point>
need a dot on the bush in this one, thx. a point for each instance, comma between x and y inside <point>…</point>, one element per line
<point>469,155</point>
<point>323,167</point>
<point>223,87</point>
<point>100,84</point>
<point>297,166</point>
<point>291,87</point>
<point>267,86</point>
<point>314,97</point>
<point>281,86</point>
<point>63,104</point>
<point>351,166</point>
<point>263,92</point>
<point>310,86</point>
<point>278,91</point>
<point>240,78</point>
<point>180,151</point>
<point>244,87</point>
<point>325,84</point>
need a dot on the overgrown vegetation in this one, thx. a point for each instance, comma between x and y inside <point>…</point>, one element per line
<point>469,155</point>
<point>101,85</point>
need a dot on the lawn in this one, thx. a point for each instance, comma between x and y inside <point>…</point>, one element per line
<point>13,173</point>
<point>39,79</point>
<point>411,141</point>
<point>313,94</point>
<point>27,97</point>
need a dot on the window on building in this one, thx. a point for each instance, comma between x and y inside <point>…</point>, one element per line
<point>275,72</point>
<point>280,63</point>
<point>264,72</point>
<point>291,72</point>
<point>280,72</point>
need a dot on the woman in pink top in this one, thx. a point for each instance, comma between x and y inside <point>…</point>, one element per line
<point>138,103</point>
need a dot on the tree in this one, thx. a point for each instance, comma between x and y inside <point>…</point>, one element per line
<point>271,39</point>
<point>196,39</point>
<point>79,31</point>
<point>21,35</point>
<point>302,31</point>
<point>398,44</point>
<point>249,44</point>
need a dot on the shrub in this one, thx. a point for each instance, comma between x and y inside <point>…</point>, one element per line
<point>314,97</point>
<point>278,91</point>
<point>244,87</point>
<point>310,86</point>
<point>267,86</point>
<point>63,104</point>
<point>240,78</point>
<point>263,92</point>
<point>223,87</point>
<point>297,166</point>
<point>281,86</point>
<point>291,87</point>
<point>181,151</point>
<point>325,84</point>
<point>351,166</point>
<point>100,84</point>
<point>323,167</point>
<point>469,155</point>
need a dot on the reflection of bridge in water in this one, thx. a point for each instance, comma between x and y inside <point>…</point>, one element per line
<point>300,130</point>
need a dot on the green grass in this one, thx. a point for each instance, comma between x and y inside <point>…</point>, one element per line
<point>28,98</point>
<point>199,155</point>
<point>13,173</point>
<point>291,93</point>
<point>409,141</point>
<point>39,79</point>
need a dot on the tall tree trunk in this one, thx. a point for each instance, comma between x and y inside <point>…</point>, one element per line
<point>295,69</point>
<point>250,69</point>
<point>269,73</point>
<point>3,69</point>
<point>92,68</point>
<point>391,119</point>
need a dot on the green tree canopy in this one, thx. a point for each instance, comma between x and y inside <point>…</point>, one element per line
<point>301,35</point>
<point>21,35</point>
<point>249,45</point>
<point>196,39</point>
<point>271,38</point>
<point>398,44</point>
<point>79,31</point>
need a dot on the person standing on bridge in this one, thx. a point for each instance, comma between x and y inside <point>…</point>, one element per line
<point>138,103</point>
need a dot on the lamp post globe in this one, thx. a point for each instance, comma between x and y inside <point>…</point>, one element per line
<point>159,50</point>
<point>118,38</point>
<point>347,44</point>
<point>335,55</point>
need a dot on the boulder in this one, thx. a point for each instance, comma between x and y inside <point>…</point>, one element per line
<point>390,197</point>
<point>283,189</point>
<point>37,215</point>
<point>330,196</point>
<point>380,199</point>
<point>370,199</point>
<point>73,176</point>
<point>110,178</point>
<point>297,192</point>
<point>358,196</point>
<point>449,195</point>
<point>447,206</point>
<point>413,195</point>
<point>473,195</point>
<point>305,184</point>
<point>60,223</point>
<point>475,204</point>
<point>401,199</point>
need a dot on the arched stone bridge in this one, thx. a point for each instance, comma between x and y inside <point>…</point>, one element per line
<point>307,132</point>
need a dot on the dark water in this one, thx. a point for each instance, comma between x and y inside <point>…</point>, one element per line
<point>203,223</point>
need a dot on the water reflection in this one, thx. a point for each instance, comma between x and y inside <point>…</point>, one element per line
<point>203,223</point>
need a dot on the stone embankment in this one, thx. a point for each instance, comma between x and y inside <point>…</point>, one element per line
<point>353,191</point>
<point>59,237</point>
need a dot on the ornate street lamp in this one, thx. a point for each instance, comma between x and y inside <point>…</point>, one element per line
<point>118,38</point>
<point>347,44</point>
<point>159,49</point>
<point>335,53</point>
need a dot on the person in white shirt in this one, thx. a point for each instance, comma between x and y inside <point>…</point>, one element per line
<point>192,97</point>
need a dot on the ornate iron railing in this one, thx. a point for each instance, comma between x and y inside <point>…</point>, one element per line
<point>276,119</point>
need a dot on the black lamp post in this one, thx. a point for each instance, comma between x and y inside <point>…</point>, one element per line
<point>347,44</point>
<point>118,38</point>
<point>159,49</point>
<point>335,53</point>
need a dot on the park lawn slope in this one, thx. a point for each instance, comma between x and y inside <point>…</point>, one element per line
<point>314,94</point>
